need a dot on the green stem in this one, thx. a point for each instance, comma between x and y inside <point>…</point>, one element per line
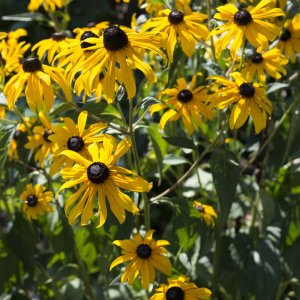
<point>209,27</point>
<point>216,259</point>
<point>243,54</point>
<point>23,120</point>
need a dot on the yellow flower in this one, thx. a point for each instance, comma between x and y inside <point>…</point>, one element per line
<point>185,101</point>
<point>36,201</point>
<point>246,23</point>
<point>39,86</point>
<point>2,112</point>
<point>40,142</point>
<point>51,46</point>
<point>145,255</point>
<point>187,29</point>
<point>250,100</point>
<point>117,52</point>
<point>3,35</point>
<point>205,212</point>
<point>272,62</point>
<point>76,138</point>
<point>100,176</point>
<point>289,42</point>
<point>48,5</point>
<point>180,289</point>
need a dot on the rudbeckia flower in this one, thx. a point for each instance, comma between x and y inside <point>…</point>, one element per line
<point>51,46</point>
<point>289,42</point>
<point>145,256</point>
<point>99,175</point>
<point>2,112</point>
<point>271,62</point>
<point>204,212</point>
<point>36,201</point>
<point>180,289</point>
<point>40,142</point>
<point>39,86</point>
<point>118,52</point>
<point>76,138</point>
<point>186,102</point>
<point>48,5</point>
<point>3,35</point>
<point>249,98</point>
<point>187,29</point>
<point>246,23</point>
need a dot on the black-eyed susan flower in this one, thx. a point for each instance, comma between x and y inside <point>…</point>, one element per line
<point>51,46</point>
<point>205,212</point>
<point>39,141</point>
<point>2,112</point>
<point>145,256</point>
<point>74,137</point>
<point>246,23</point>
<point>249,99</point>
<point>48,5</point>
<point>178,26</point>
<point>3,35</point>
<point>36,201</point>
<point>100,176</point>
<point>180,289</point>
<point>186,102</point>
<point>271,62</point>
<point>118,52</point>
<point>289,42</point>
<point>37,80</point>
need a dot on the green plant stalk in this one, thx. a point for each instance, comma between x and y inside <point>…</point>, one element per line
<point>22,120</point>
<point>209,27</point>
<point>243,54</point>
<point>216,260</point>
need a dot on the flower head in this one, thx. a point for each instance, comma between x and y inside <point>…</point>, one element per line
<point>48,5</point>
<point>36,201</point>
<point>247,23</point>
<point>145,255</point>
<point>100,176</point>
<point>205,212</point>
<point>249,98</point>
<point>178,26</point>
<point>186,102</point>
<point>180,289</point>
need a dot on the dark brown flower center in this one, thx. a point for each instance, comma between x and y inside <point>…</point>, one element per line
<point>242,17</point>
<point>17,134</point>
<point>31,64</point>
<point>75,143</point>
<point>200,208</point>
<point>175,17</point>
<point>31,200</point>
<point>58,36</point>
<point>143,251</point>
<point>286,35</point>
<point>247,90</point>
<point>185,96</point>
<point>175,293</point>
<point>97,172</point>
<point>257,58</point>
<point>46,135</point>
<point>86,35</point>
<point>114,38</point>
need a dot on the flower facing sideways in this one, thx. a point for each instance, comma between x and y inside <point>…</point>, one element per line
<point>48,5</point>
<point>100,176</point>
<point>204,212</point>
<point>36,201</point>
<point>145,255</point>
<point>180,289</point>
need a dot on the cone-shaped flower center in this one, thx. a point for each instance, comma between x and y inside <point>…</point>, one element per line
<point>200,208</point>
<point>97,172</point>
<point>46,135</point>
<point>286,35</point>
<point>247,90</point>
<point>75,143</point>
<point>31,200</point>
<point>257,58</point>
<point>185,96</point>
<point>86,35</point>
<point>32,64</point>
<point>114,38</point>
<point>144,251</point>
<point>175,17</point>
<point>175,293</point>
<point>242,17</point>
<point>58,36</point>
<point>17,134</point>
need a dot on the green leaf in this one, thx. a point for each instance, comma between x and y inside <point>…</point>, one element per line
<point>26,17</point>
<point>62,239</point>
<point>6,134</point>
<point>186,240</point>
<point>180,141</point>
<point>276,86</point>
<point>268,207</point>
<point>225,171</point>
<point>174,160</point>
